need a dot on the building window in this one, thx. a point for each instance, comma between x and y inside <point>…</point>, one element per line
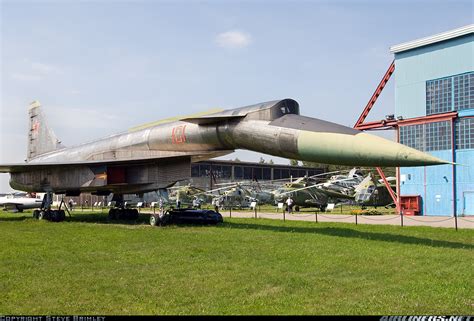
<point>464,91</point>
<point>438,136</point>
<point>257,173</point>
<point>438,96</point>
<point>412,136</point>
<point>267,173</point>
<point>465,133</point>
<point>248,173</point>
<point>194,170</point>
<point>226,171</point>
<point>285,173</point>
<point>238,172</point>
<point>294,173</point>
<point>276,173</point>
<point>204,170</point>
<point>450,93</point>
<point>223,171</point>
<point>427,137</point>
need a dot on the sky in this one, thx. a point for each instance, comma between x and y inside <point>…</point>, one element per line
<point>100,67</point>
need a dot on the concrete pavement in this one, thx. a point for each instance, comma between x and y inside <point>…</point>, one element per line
<point>433,221</point>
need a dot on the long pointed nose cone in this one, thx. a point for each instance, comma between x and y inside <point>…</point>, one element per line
<point>358,148</point>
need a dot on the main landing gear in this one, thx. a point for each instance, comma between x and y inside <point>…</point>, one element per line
<point>120,212</point>
<point>46,213</point>
<point>50,215</point>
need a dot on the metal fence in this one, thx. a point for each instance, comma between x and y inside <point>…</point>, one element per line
<point>390,219</point>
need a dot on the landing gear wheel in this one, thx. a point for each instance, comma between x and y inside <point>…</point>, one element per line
<point>54,216</point>
<point>58,216</point>
<point>112,214</point>
<point>154,220</point>
<point>165,219</point>
<point>42,215</point>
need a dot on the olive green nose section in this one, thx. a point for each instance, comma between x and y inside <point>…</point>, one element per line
<point>360,150</point>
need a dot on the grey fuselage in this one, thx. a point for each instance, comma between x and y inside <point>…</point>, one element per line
<point>156,155</point>
<point>243,128</point>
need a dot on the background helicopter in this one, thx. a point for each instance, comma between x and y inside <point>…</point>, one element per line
<point>187,193</point>
<point>371,193</point>
<point>235,196</point>
<point>241,194</point>
<point>318,195</point>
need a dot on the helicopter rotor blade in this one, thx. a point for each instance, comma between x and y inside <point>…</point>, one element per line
<point>315,185</point>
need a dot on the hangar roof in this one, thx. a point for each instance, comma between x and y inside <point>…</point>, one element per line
<point>469,29</point>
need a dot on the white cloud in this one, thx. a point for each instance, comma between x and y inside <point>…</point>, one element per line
<point>25,76</point>
<point>33,71</point>
<point>233,39</point>
<point>44,68</point>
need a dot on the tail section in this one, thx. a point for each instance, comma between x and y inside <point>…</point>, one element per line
<point>41,139</point>
<point>365,183</point>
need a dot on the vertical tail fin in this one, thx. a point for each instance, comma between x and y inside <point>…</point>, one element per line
<point>41,139</point>
<point>365,183</point>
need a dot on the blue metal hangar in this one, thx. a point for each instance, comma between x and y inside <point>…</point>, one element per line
<point>434,105</point>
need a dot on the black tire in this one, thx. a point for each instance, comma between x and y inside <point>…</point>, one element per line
<point>54,216</point>
<point>42,215</point>
<point>112,214</point>
<point>35,214</point>
<point>61,215</point>
<point>297,208</point>
<point>134,214</point>
<point>166,219</point>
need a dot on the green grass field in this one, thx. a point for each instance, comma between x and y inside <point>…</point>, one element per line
<point>88,265</point>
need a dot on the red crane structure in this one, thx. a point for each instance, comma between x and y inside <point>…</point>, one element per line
<point>383,124</point>
<point>392,123</point>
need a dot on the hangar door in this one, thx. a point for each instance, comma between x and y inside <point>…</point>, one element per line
<point>468,203</point>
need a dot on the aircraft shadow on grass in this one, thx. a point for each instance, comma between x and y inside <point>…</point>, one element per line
<point>353,233</point>
<point>97,218</point>
<point>101,218</point>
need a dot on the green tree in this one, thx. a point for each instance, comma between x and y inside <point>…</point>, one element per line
<point>314,164</point>
<point>294,162</point>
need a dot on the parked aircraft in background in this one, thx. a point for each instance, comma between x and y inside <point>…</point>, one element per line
<point>186,195</point>
<point>305,193</point>
<point>16,203</point>
<point>370,193</point>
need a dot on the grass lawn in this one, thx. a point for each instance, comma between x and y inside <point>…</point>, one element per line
<point>88,265</point>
